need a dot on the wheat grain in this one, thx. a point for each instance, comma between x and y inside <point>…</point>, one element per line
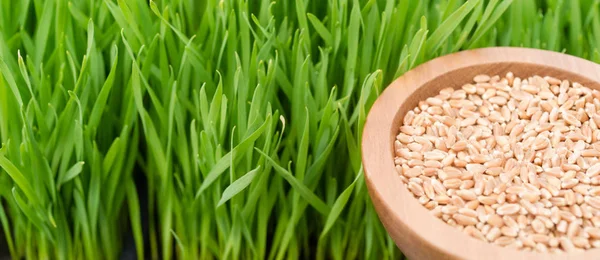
<point>508,160</point>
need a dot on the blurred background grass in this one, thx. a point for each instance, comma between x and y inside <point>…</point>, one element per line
<point>243,118</point>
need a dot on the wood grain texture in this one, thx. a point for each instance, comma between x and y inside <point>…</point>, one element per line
<point>415,230</point>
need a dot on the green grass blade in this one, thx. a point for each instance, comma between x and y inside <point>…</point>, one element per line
<point>135,217</point>
<point>225,161</point>
<point>19,179</point>
<point>449,25</point>
<point>308,195</point>
<point>339,205</point>
<point>238,186</point>
<point>11,81</point>
<point>321,29</point>
<point>70,174</point>
<point>487,25</point>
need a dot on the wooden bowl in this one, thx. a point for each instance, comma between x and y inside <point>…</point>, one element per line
<point>419,234</point>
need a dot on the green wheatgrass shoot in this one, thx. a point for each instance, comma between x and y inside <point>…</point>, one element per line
<point>68,145</point>
<point>244,116</point>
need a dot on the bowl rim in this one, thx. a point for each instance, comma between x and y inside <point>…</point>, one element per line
<point>386,189</point>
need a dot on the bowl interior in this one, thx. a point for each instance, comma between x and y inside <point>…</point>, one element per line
<point>418,233</point>
<point>457,78</point>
